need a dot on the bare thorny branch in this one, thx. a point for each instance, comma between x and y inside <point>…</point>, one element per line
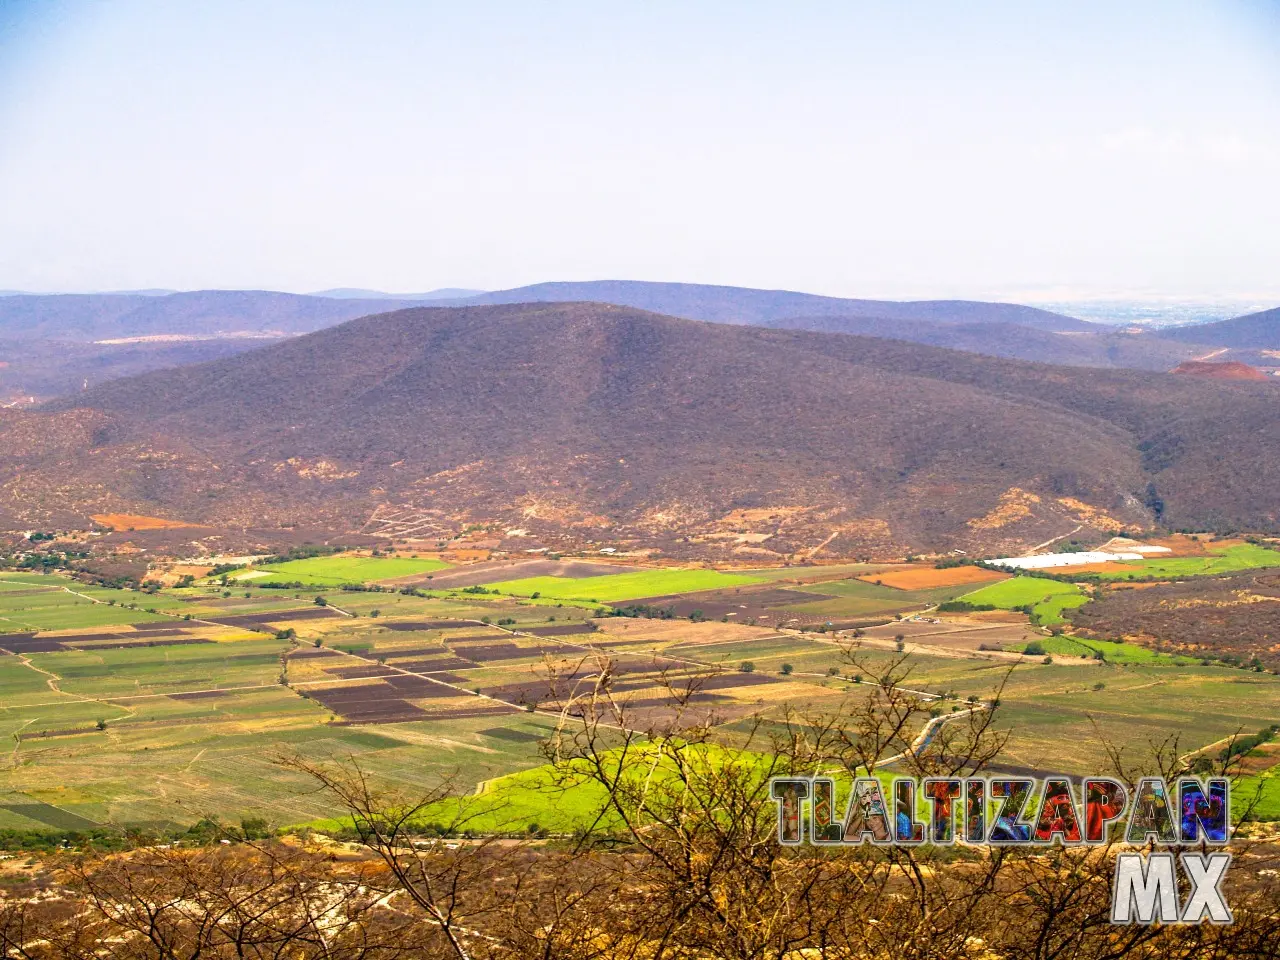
<point>675,855</point>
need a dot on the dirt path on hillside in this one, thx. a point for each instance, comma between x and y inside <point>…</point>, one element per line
<point>1211,354</point>
<point>1048,543</point>
<point>822,546</point>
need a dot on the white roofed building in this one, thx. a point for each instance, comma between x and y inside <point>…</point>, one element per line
<point>1048,561</point>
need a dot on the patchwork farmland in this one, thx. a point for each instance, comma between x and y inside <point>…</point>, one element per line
<point>161,707</point>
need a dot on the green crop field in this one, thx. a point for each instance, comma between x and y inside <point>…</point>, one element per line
<point>1055,713</point>
<point>1260,794</point>
<point>1118,653</point>
<point>1245,556</point>
<point>1020,592</point>
<point>167,734</point>
<point>1057,646</point>
<point>1131,653</point>
<point>99,735</point>
<point>338,570</point>
<point>1050,609</point>
<point>1047,598</point>
<point>857,589</point>
<point>19,684</point>
<point>564,801</point>
<point>624,586</point>
<point>163,669</point>
<point>50,602</point>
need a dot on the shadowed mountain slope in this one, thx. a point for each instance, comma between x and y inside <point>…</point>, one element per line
<point>601,422</point>
<point>1252,331</point>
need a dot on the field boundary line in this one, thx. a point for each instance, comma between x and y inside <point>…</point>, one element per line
<point>421,676</point>
<point>52,681</point>
<point>719,643</point>
<point>920,693</point>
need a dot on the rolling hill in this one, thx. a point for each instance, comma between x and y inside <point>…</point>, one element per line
<point>53,344</point>
<point>1221,370</point>
<point>51,368</point>
<point>1102,346</point>
<point>359,293</point>
<point>1258,331</point>
<point>595,422</point>
<point>993,329</point>
<point>696,301</point>
<point>107,316</point>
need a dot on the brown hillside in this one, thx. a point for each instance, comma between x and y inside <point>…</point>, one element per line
<point>1220,370</point>
<point>611,423</point>
<point>1235,616</point>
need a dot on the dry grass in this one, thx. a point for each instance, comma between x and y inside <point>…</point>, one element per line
<point>1089,568</point>
<point>1191,545</point>
<point>1015,504</point>
<point>172,574</point>
<point>997,616</point>
<point>465,556</point>
<point>679,631</point>
<point>926,578</point>
<point>133,521</point>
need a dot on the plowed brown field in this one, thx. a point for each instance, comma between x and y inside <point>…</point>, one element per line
<point>924,578</point>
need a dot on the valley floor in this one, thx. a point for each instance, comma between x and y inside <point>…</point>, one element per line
<point>163,707</point>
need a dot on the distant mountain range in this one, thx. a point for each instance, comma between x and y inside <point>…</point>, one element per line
<point>696,301</point>
<point>109,316</point>
<point>1097,346</point>
<point>993,329</point>
<point>51,368</point>
<point>593,422</point>
<point>355,293</point>
<point>104,316</point>
<point>52,344</point>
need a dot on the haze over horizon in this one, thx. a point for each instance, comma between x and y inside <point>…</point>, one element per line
<point>843,150</point>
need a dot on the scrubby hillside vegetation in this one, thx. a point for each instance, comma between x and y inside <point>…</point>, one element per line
<point>590,418</point>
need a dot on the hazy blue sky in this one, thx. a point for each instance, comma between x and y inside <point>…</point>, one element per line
<point>894,149</point>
